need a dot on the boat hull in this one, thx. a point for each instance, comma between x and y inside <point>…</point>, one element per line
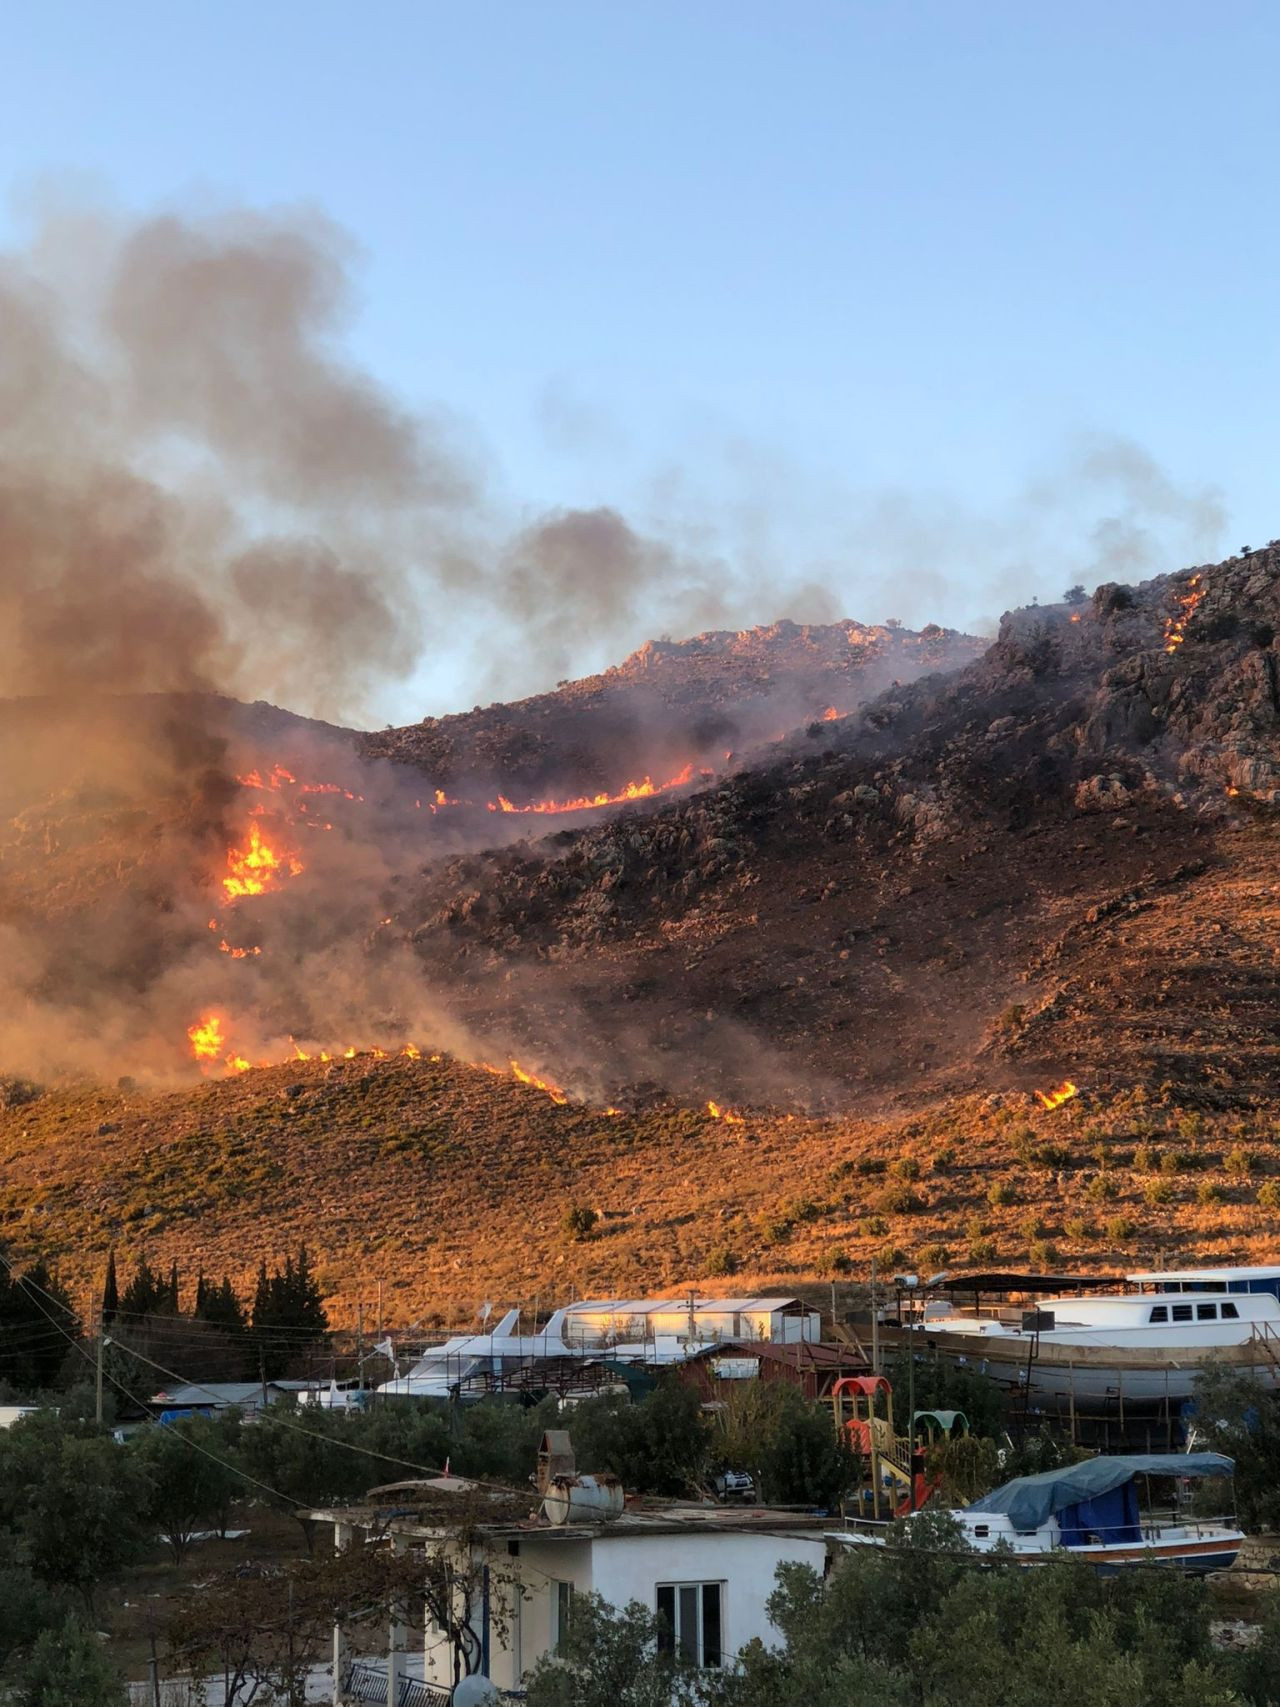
<point>1061,1375</point>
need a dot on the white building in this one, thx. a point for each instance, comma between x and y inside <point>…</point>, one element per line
<point>708,1572</point>
<point>626,1322</point>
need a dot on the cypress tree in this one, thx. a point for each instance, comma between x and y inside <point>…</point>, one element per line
<point>110,1288</point>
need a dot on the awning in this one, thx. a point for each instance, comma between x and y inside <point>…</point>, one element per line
<point>1030,1501</point>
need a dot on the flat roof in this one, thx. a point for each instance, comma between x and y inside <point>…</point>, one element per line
<point>674,1519</point>
<point>1216,1274</point>
<point>1003,1280</point>
<point>648,1306</point>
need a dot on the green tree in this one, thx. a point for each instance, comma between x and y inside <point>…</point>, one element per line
<point>193,1481</point>
<point>790,1446</point>
<point>1240,1417</point>
<point>68,1668</point>
<point>75,1500</point>
<point>608,1659</point>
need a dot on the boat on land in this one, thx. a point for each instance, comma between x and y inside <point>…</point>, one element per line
<point>1090,1511</point>
<point>1142,1342</point>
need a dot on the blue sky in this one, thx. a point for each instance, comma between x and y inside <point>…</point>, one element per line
<point>930,304</point>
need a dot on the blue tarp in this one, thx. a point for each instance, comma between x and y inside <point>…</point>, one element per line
<point>1030,1501</point>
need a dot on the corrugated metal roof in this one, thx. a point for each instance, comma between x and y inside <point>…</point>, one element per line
<point>650,1306</point>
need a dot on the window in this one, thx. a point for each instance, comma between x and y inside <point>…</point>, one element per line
<point>1230,1313</point>
<point>561,1614</point>
<point>1182,1312</point>
<point>690,1623</point>
<point>981,1531</point>
<point>1206,1312</point>
<point>1160,1313</point>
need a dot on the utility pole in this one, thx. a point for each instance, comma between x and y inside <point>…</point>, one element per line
<point>360,1347</point>
<point>875,1323</point>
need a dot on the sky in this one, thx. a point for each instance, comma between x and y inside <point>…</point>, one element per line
<point>913,310</point>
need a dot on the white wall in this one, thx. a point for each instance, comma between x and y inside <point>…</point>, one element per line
<point>627,1566</point>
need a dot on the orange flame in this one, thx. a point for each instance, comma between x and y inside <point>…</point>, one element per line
<point>237,953</point>
<point>642,790</point>
<point>206,1038</point>
<point>831,715</point>
<point>726,1114</point>
<point>1175,625</point>
<point>257,867</point>
<point>1055,1098</point>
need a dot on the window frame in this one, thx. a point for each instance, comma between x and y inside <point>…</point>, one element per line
<point>673,1636</point>
<point>1159,1313</point>
<point>561,1612</point>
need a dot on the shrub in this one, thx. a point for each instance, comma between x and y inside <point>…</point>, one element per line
<point>722,1260</point>
<point>1146,1159</point>
<point>1000,1193</point>
<point>982,1250</point>
<point>578,1221</point>
<point>774,1229</point>
<point>1120,1229</point>
<point>1269,1194</point>
<point>932,1257</point>
<point>1034,1228</point>
<point>1209,1191</point>
<point>975,1227</point>
<point>875,1226</point>
<point>1190,1124</point>
<point>801,1209</point>
<point>1179,1162</point>
<point>1100,1189</point>
<point>1077,1228</point>
<point>1043,1253</point>
<point>836,1262</point>
<point>872,1165</point>
<point>1240,1161</point>
<point>1052,1156</point>
<point>907,1168</point>
<point>944,1159</point>
<point>901,1200</point>
<point>1157,1191</point>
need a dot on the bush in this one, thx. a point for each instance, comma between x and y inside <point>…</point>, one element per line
<point>901,1200</point>
<point>982,1250</point>
<point>722,1260</point>
<point>1077,1228</point>
<point>1241,1162</point>
<point>578,1221</point>
<point>1052,1156</point>
<point>1157,1191</point>
<point>1120,1229</point>
<point>932,1257</point>
<point>1146,1159</point>
<point>1209,1191</point>
<point>907,1168</point>
<point>1101,1189</point>
<point>1043,1253</point>
<point>1269,1194</point>
<point>836,1262</point>
<point>871,1166</point>
<point>875,1226</point>
<point>1190,1125</point>
<point>1179,1162</point>
<point>1001,1193</point>
<point>67,1668</point>
<point>1034,1227</point>
<point>944,1159</point>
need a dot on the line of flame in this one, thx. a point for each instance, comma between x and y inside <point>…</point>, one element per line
<point>1055,1098</point>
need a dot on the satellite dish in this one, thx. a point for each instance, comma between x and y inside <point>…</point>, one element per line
<point>475,1692</point>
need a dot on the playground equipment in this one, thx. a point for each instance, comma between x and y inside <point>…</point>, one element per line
<point>898,1457</point>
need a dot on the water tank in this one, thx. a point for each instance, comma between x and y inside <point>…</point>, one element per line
<point>582,1499</point>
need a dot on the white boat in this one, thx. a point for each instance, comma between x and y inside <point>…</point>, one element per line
<point>1143,1345</point>
<point>1090,1511</point>
<point>441,1370</point>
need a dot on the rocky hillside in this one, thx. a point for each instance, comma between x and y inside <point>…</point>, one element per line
<point>870,944</point>
<point>672,704</point>
<point>1072,838</point>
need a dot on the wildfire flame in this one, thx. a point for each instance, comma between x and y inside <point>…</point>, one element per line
<point>726,1114</point>
<point>1055,1098</point>
<point>831,715</point>
<point>237,953</point>
<point>208,1045</point>
<point>1175,625</point>
<point>642,790</point>
<point>257,867</point>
